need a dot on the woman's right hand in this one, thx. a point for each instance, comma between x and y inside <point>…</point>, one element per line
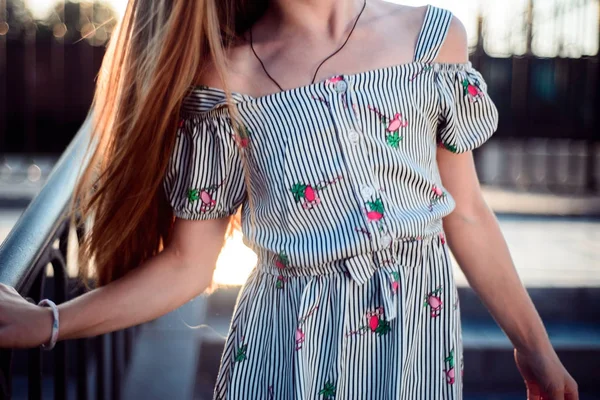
<point>22,324</point>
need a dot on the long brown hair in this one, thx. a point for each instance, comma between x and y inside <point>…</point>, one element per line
<point>158,51</point>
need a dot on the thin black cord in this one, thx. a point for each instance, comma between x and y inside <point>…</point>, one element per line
<point>261,63</point>
<point>322,62</point>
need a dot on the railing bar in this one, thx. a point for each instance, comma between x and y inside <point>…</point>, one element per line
<point>82,369</point>
<point>6,356</point>
<point>116,370</point>
<point>128,344</point>
<point>81,361</point>
<point>100,363</point>
<point>34,355</point>
<point>60,294</point>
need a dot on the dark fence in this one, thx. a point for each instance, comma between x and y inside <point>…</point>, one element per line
<point>38,240</point>
<point>549,128</point>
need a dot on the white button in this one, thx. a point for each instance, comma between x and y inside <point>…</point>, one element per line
<point>353,136</point>
<point>367,191</point>
<point>386,240</point>
<point>341,86</point>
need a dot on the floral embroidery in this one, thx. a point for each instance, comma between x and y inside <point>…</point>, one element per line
<point>281,262</point>
<point>363,230</point>
<point>375,212</point>
<point>450,374</point>
<point>181,122</point>
<point>321,99</point>
<point>308,195</point>
<point>280,281</point>
<point>328,391</point>
<point>442,237</point>
<point>204,194</point>
<point>434,301</point>
<point>395,281</point>
<point>242,136</point>
<point>240,354</point>
<point>472,90</point>
<point>376,323</point>
<point>426,68</point>
<point>300,336</point>
<point>345,100</point>
<point>412,238</point>
<point>393,126</point>
<point>450,147</point>
<point>355,110</point>
<point>333,80</point>
<point>438,195</point>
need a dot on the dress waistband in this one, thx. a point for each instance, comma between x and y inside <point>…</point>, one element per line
<point>382,265</point>
<point>361,267</point>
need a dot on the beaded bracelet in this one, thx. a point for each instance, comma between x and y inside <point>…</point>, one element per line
<point>54,335</point>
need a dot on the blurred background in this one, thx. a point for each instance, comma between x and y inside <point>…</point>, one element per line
<point>540,173</point>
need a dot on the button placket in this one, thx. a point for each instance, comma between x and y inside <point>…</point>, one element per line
<point>357,162</point>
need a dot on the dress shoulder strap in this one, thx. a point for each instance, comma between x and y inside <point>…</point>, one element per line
<point>433,33</point>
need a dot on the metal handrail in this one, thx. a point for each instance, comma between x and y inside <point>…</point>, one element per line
<point>31,235</point>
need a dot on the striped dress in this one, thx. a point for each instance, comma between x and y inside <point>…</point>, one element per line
<point>353,295</point>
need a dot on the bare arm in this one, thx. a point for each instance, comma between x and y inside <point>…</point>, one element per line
<point>479,247</point>
<point>164,282</point>
<point>182,271</point>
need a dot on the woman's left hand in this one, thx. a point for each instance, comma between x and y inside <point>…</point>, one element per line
<point>545,376</point>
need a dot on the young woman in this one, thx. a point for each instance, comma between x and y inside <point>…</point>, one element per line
<point>344,129</point>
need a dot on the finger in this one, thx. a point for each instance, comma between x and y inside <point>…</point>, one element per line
<point>533,395</point>
<point>571,390</point>
<point>554,393</point>
<point>533,391</point>
<point>7,288</point>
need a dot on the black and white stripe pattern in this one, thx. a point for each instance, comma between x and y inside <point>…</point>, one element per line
<point>353,295</point>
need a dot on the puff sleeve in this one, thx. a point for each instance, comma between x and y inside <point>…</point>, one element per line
<point>467,115</point>
<point>204,177</point>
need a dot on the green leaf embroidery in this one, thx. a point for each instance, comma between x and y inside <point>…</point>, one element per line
<point>383,328</point>
<point>394,139</point>
<point>328,390</point>
<point>193,195</point>
<point>376,206</point>
<point>298,191</point>
<point>450,359</point>
<point>240,355</point>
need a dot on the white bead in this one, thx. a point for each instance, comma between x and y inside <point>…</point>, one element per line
<point>353,136</point>
<point>386,240</point>
<point>341,86</point>
<point>367,191</point>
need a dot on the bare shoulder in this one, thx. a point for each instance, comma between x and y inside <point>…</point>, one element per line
<point>400,16</point>
<point>455,47</point>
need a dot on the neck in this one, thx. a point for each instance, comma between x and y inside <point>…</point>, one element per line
<point>321,17</point>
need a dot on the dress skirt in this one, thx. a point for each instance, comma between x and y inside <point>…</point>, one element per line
<point>318,333</point>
